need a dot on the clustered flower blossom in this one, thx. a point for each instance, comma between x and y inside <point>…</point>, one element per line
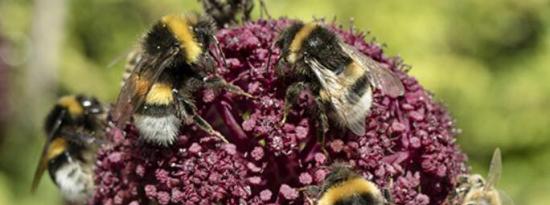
<point>409,147</point>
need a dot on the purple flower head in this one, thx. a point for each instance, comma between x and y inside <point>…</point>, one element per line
<point>409,147</point>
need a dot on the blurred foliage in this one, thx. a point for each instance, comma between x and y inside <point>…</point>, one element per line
<point>486,60</point>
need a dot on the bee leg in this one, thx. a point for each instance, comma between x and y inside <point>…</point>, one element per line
<point>219,83</point>
<point>247,7</point>
<point>308,191</point>
<point>291,96</point>
<point>187,111</point>
<point>309,200</point>
<point>82,138</point>
<point>184,108</point>
<point>322,121</point>
<point>388,198</point>
<point>205,126</point>
<point>263,9</point>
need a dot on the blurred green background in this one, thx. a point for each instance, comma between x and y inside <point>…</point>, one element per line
<point>487,61</point>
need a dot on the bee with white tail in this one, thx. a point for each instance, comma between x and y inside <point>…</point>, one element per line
<point>475,190</point>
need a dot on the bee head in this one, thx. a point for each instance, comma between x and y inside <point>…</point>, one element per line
<point>203,27</point>
<point>339,173</point>
<point>73,109</point>
<point>476,181</point>
<point>90,105</point>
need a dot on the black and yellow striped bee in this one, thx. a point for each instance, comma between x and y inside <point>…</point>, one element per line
<point>74,128</point>
<point>226,11</point>
<point>342,186</point>
<point>475,190</point>
<point>341,77</point>
<point>172,62</point>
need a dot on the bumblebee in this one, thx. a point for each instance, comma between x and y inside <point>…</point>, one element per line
<point>341,77</point>
<point>342,186</point>
<point>171,63</point>
<point>74,129</point>
<point>475,190</point>
<point>226,11</point>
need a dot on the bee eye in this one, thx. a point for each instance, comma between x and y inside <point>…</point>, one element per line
<point>480,181</point>
<point>86,103</point>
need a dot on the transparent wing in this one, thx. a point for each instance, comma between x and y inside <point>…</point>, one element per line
<point>132,59</point>
<point>129,55</point>
<point>135,88</point>
<point>495,169</point>
<point>505,199</point>
<point>346,104</point>
<point>379,76</point>
<point>43,161</point>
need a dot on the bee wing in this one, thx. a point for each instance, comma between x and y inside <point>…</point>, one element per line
<point>132,59</point>
<point>504,198</point>
<point>142,77</point>
<point>42,165</point>
<point>43,161</point>
<point>495,169</point>
<point>350,107</point>
<point>379,76</point>
<point>129,55</point>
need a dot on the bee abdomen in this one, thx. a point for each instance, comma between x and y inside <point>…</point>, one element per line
<point>157,128</point>
<point>75,181</point>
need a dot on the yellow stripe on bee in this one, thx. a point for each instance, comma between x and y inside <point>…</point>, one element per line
<point>351,73</point>
<point>298,40</point>
<point>56,147</point>
<point>347,189</point>
<point>182,31</point>
<point>71,104</point>
<point>160,94</point>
